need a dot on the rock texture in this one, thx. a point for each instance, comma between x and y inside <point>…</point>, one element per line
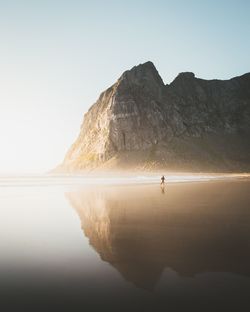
<point>192,124</point>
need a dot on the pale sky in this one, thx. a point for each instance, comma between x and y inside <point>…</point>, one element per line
<point>57,56</point>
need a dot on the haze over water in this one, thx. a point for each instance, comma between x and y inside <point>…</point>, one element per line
<point>66,245</point>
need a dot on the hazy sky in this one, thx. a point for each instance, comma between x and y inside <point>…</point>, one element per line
<point>57,56</point>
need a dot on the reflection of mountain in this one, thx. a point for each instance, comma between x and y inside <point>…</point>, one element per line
<point>191,228</point>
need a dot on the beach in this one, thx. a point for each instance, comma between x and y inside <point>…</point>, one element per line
<point>67,246</point>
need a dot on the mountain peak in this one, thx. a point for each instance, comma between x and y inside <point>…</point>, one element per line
<point>184,76</point>
<point>147,66</point>
<point>142,72</point>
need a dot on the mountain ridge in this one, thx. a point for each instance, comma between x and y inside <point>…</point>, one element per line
<point>191,123</point>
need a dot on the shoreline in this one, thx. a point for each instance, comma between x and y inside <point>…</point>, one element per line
<point>115,180</point>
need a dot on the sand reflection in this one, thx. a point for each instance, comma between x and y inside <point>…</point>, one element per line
<point>193,228</point>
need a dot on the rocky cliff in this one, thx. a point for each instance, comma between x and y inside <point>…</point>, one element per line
<point>191,124</point>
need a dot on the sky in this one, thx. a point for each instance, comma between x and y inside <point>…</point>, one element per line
<point>57,56</point>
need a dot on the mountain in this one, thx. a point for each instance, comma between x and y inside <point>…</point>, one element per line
<point>141,123</point>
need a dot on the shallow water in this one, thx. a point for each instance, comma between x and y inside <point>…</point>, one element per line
<point>68,247</point>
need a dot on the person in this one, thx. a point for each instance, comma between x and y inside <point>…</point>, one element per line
<point>163,184</point>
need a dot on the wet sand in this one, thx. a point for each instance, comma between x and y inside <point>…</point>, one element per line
<point>139,247</point>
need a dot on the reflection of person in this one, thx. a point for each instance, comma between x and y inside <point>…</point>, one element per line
<point>163,188</point>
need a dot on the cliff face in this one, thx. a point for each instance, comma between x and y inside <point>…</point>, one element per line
<point>189,124</point>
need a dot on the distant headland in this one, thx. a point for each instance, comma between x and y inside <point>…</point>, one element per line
<point>189,124</point>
